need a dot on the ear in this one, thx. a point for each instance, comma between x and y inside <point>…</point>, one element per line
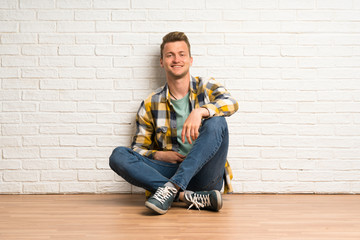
<point>161,63</point>
<point>191,61</point>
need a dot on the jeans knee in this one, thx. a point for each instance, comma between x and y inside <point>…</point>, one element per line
<point>215,123</point>
<point>116,156</point>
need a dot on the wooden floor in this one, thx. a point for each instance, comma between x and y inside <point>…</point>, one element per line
<point>125,217</point>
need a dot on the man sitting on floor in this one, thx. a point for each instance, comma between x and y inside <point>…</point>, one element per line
<point>181,143</point>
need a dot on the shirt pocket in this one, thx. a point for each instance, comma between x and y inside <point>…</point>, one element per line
<point>161,136</point>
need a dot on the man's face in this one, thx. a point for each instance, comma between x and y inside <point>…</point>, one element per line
<point>176,59</point>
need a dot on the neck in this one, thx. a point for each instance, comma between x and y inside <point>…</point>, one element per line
<point>179,87</point>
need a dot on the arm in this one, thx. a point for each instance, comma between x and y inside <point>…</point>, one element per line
<point>143,138</point>
<point>144,132</point>
<point>221,104</point>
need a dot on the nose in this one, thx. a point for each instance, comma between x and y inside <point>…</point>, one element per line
<point>176,58</point>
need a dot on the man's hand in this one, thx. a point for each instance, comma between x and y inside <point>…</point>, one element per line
<point>169,156</point>
<point>192,124</point>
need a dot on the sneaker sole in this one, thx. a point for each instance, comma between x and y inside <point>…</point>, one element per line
<point>155,208</point>
<point>219,204</point>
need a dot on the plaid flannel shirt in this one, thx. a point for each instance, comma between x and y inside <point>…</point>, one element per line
<point>156,118</point>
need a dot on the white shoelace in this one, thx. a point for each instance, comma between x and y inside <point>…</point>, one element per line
<point>199,201</point>
<point>163,193</point>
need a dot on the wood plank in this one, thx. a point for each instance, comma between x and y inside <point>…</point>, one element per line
<point>124,216</point>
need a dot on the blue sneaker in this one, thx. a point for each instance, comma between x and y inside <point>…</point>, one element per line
<point>161,201</point>
<point>209,200</point>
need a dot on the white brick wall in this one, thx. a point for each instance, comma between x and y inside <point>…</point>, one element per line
<point>74,72</point>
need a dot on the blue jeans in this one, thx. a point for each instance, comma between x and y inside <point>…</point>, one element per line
<point>201,170</point>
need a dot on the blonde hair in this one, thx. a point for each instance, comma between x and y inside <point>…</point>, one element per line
<point>174,37</point>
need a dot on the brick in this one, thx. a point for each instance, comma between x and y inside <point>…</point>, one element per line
<point>41,188</point>
<point>116,118</point>
<point>131,15</point>
<point>156,27</point>
<point>74,73</point>
<point>10,188</point>
<point>102,26</point>
<point>94,129</point>
<point>40,164</point>
<point>78,117</point>
<point>187,4</point>
<point>94,107</point>
<point>10,165</point>
<point>106,73</point>
<point>39,50</point>
<point>112,50</point>
<point>297,164</point>
<point>113,4</point>
<point>20,153</point>
<point>237,15</point>
<point>119,187</point>
<point>279,176</point>
<point>8,73</point>
<point>79,50</point>
<point>77,141</point>
<point>40,27</point>
<point>62,176</point>
<point>314,15</point>
<point>75,187</point>
<point>10,118</point>
<point>95,176</point>
<point>135,62</point>
<point>19,61</point>
<point>57,61</point>
<point>75,27</point>
<point>21,176</point>
<point>261,141</point>
<point>77,164</point>
<point>73,4</point>
<point>57,152</point>
<point>9,142</point>
<point>19,107</point>
<point>260,164</point>
<point>40,118</point>
<point>62,15</point>
<point>39,73</point>
<point>93,152</point>
<point>316,107</point>
<point>9,4</point>
<point>57,107</point>
<point>130,38</point>
<point>94,38</point>
<point>148,5</point>
<point>95,84</point>
<point>19,130</point>
<point>37,4</point>
<point>114,96</point>
<point>19,38</point>
<point>113,141</point>
<point>93,61</point>
<point>30,95</point>
<point>329,187</point>
<point>92,15</point>
<point>55,38</point>
<point>77,95</point>
<point>56,84</point>
<point>9,50</point>
<point>232,4</point>
<point>8,27</point>
<point>315,131</point>
<point>333,4</point>
<point>124,84</point>
<point>166,15</point>
<point>57,129</point>
<point>297,4</point>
